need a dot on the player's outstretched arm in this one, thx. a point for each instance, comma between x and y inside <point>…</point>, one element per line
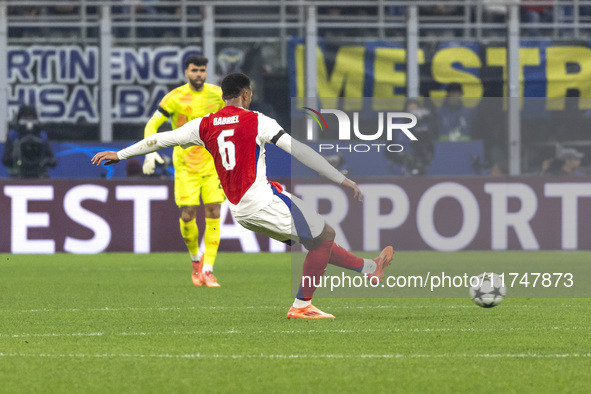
<point>148,145</point>
<point>315,161</point>
<point>185,136</point>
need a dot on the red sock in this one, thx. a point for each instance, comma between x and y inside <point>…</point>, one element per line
<point>343,258</point>
<point>314,267</point>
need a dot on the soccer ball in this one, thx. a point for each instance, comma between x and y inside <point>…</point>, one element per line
<point>489,291</point>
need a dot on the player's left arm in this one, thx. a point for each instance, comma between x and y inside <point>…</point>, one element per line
<point>314,160</point>
<point>185,136</point>
<point>158,119</point>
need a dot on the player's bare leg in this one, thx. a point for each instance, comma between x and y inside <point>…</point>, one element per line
<point>190,234</point>
<point>315,267</point>
<point>211,239</point>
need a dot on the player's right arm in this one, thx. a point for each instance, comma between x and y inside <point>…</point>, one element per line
<point>312,159</point>
<point>271,132</point>
<point>157,120</point>
<point>185,136</point>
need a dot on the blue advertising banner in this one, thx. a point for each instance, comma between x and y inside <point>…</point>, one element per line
<point>377,69</point>
<point>63,81</point>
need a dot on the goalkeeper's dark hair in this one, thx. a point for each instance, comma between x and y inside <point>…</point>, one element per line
<point>234,84</point>
<point>196,61</point>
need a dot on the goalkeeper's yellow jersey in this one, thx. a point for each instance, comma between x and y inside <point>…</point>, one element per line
<point>182,105</point>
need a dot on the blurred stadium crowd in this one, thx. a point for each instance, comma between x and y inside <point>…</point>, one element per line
<point>532,12</point>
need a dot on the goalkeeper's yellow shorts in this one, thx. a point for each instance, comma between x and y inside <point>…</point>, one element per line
<point>188,189</point>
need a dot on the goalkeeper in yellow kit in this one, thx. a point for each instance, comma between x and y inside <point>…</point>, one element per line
<point>194,174</point>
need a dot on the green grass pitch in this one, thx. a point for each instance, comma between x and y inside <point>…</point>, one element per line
<point>124,323</point>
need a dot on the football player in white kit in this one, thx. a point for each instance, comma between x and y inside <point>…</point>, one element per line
<point>236,139</point>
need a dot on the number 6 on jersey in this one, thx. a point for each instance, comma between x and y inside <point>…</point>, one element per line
<point>227,149</point>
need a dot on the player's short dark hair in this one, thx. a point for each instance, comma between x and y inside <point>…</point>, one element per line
<point>234,84</point>
<point>196,61</point>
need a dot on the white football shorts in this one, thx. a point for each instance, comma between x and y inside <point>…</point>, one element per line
<point>287,219</point>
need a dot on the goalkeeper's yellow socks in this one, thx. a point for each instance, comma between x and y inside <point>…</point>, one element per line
<point>211,238</point>
<point>190,234</point>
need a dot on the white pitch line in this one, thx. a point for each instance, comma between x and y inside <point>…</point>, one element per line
<point>298,356</point>
<point>127,309</point>
<point>233,331</point>
<point>78,334</point>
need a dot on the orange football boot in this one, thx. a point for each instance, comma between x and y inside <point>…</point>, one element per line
<point>308,312</point>
<point>198,277</point>
<point>382,261</point>
<point>210,280</point>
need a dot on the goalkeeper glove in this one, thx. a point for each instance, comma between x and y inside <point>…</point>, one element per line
<point>150,162</point>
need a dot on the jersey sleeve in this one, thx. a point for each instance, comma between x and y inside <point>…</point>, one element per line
<point>189,134</point>
<point>154,123</point>
<point>167,104</point>
<point>185,136</point>
<point>269,129</point>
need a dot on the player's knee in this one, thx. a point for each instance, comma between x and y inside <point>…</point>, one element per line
<point>212,211</point>
<point>328,233</point>
<point>188,213</point>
